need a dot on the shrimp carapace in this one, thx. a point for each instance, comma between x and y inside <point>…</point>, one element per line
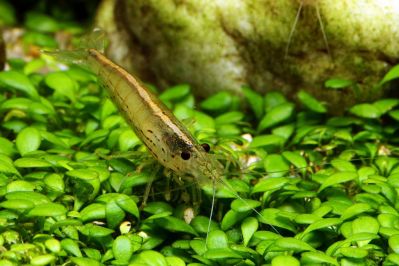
<point>166,138</point>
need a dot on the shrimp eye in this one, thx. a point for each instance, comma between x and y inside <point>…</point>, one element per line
<point>206,147</point>
<point>185,155</point>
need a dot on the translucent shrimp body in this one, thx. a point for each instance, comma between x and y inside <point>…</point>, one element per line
<point>163,134</point>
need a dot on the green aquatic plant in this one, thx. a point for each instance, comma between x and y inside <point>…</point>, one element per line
<point>72,177</point>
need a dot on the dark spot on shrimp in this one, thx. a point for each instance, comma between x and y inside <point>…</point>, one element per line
<point>185,155</point>
<point>152,152</point>
<point>149,130</point>
<point>206,147</point>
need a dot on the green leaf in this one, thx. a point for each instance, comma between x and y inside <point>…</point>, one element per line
<point>114,214</point>
<point>122,248</point>
<point>6,165</point>
<point>229,118</point>
<point>284,131</point>
<point>31,163</point>
<point>291,244</point>
<point>275,165</point>
<point>17,103</point>
<point>84,174</point>
<point>93,211</point>
<point>128,205</point>
<point>175,93</point>
<point>48,209</point>
<point>285,260</point>
<point>270,184</point>
<point>198,246</point>
<point>200,224</point>
<point>40,22</point>
<point>365,110</point>
<point>394,258</point>
<point>248,228</point>
<point>62,84</point>
<point>337,83</point>
<point>95,136</point>
<point>338,178</point>
<point>267,140</point>
<point>365,224</point>
<point>28,140</point>
<point>42,259</point>
<point>352,252</point>
<point>54,182</point>
<point>95,231</point>
<point>158,207</point>
<point>20,185</point>
<point>306,218</point>
<point>385,105</point>
<point>296,159</point>
<point>128,140</point>
<point>316,258</point>
<point>360,237</point>
<point>65,224</point>
<point>7,147</point>
<point>18,81</point>
<point>35,197</point>
<point>175,261</point>
<point>7,15</point>
<point>85,262</point>
<point>276,115</point>
<point>52,244</point>
<point>273,217</point>
<point>273,99</point>
<point>343,165</point>
<point>17,204</point>
<point>218,102</point>
<point>174,224</point>
<point>243,205</point>
<point>355,210</point>
<point>393,242</point>
<point>149,258</point>
<point>311,103</point>
<point>255,101</point>
<point>221,253</point>
<point>322,223</point>
<point>34,66</point>
<point>217,239</point>
<point>394,114</point>
<point>231,218</point>
<point>392,74</point>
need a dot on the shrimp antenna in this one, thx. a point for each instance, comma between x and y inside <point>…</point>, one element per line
<point>298,13</point>
<point>235,194</point>
<point>212,207</point>
<point>322,29</point>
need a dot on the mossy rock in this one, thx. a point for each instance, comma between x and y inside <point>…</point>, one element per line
<point>222,45</point>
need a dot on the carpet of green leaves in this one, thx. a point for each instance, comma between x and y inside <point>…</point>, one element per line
<point>72,174</point>
<point>72,177</point>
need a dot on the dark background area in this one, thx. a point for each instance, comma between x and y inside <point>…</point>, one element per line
<point>76,10</point>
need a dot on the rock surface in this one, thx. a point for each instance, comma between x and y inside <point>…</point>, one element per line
<point>221,45</point>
